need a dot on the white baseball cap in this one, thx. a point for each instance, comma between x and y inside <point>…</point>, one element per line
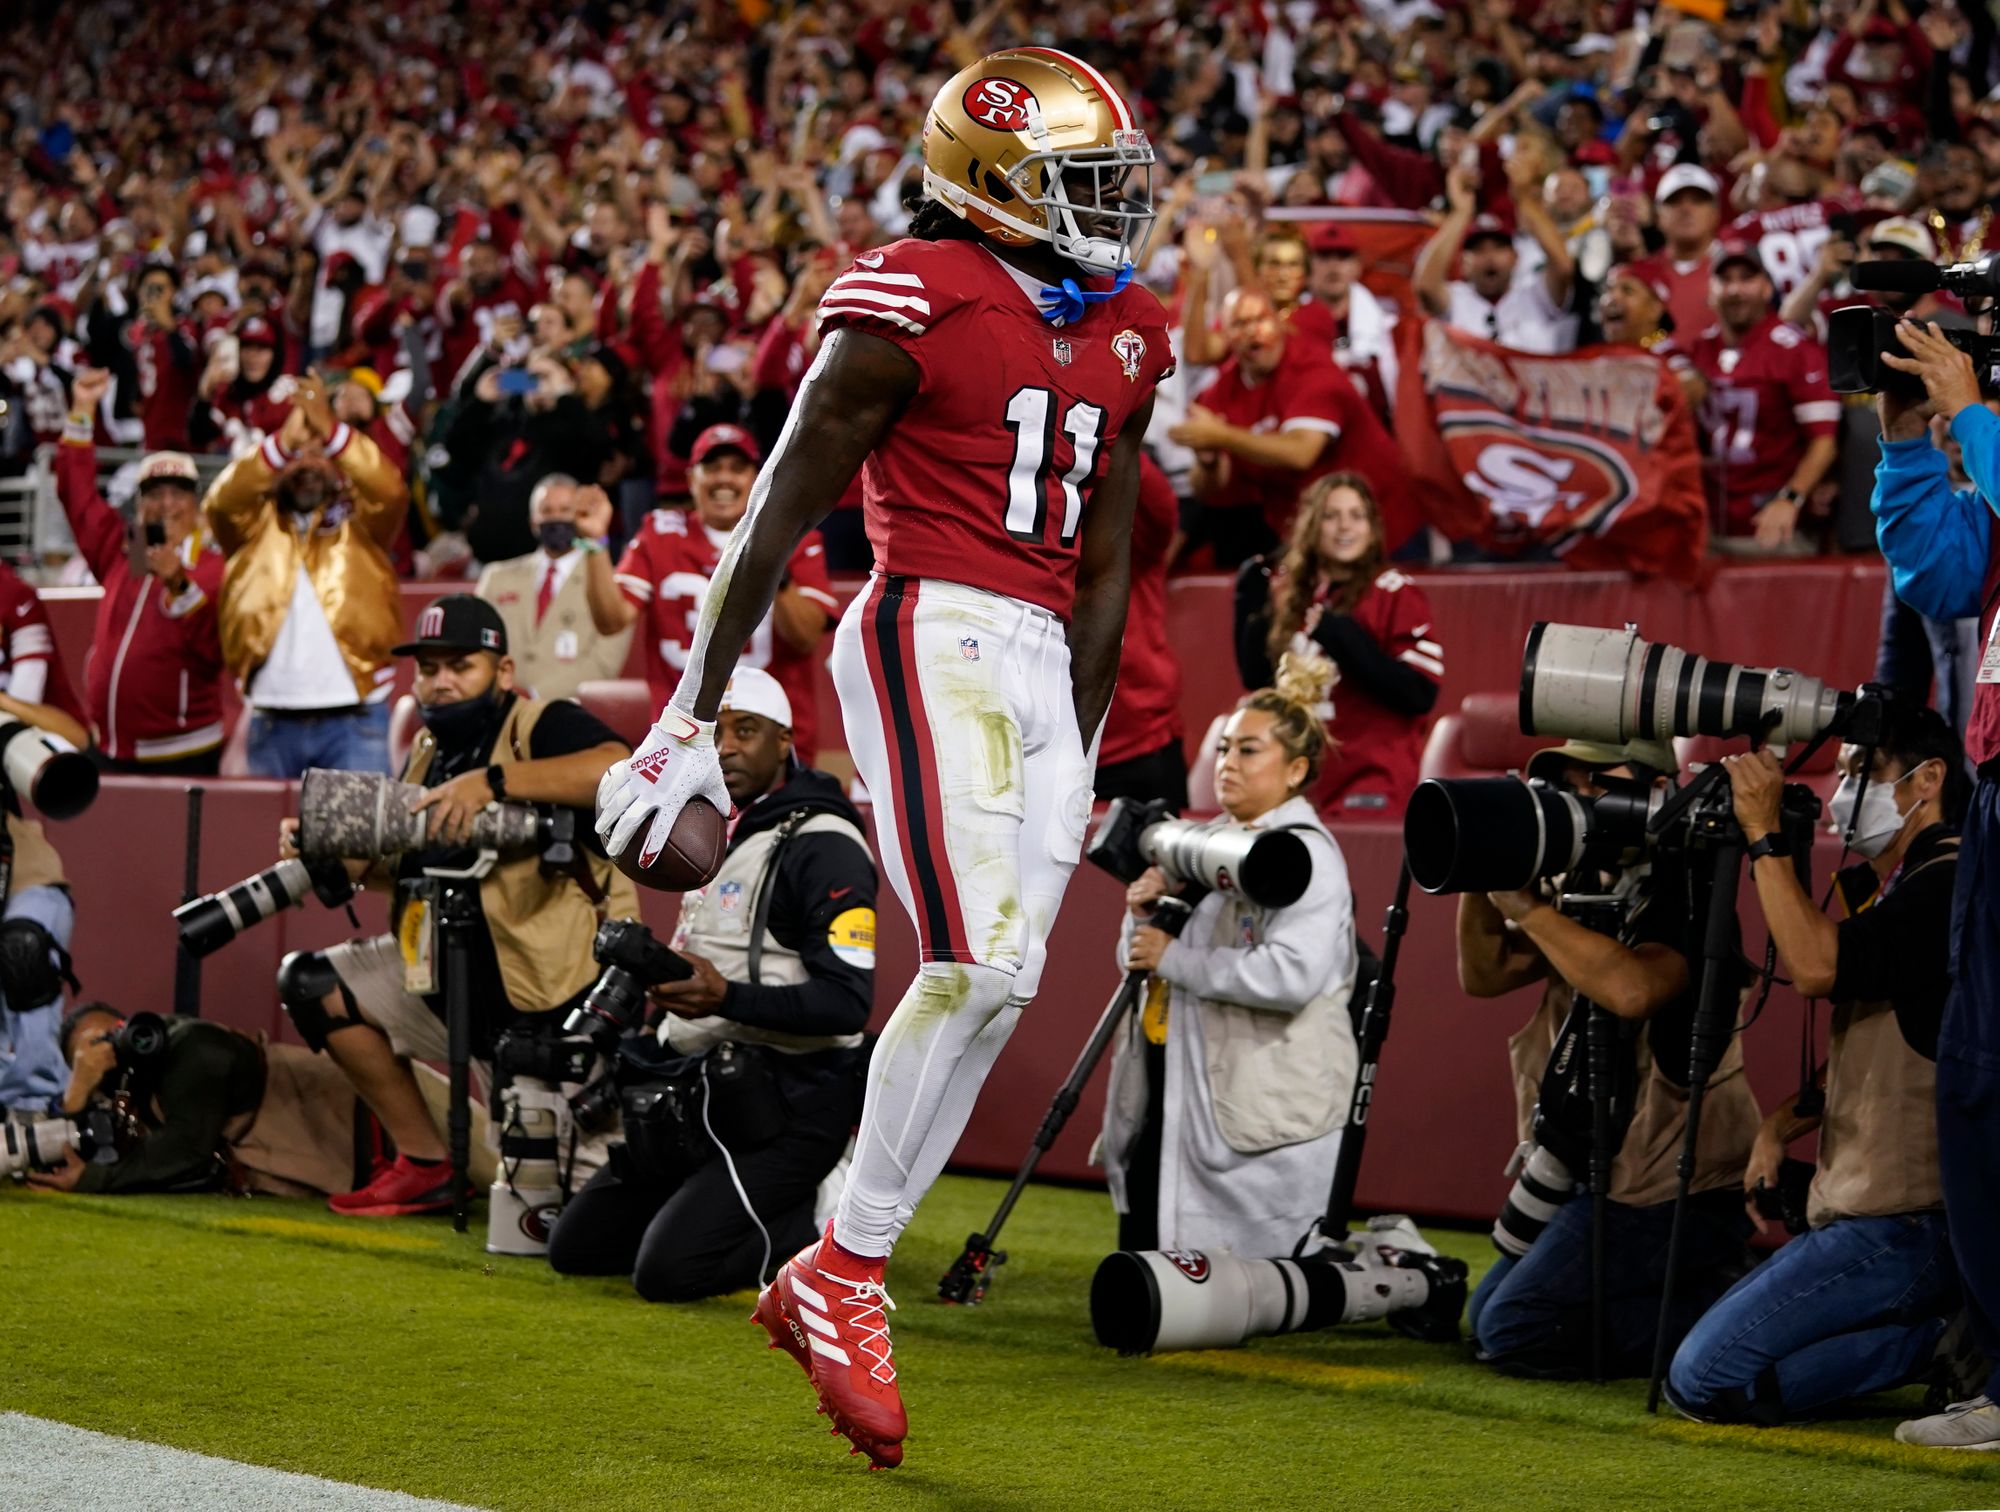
<point>752,691</point>
<point>1686,176</point>
<point>1908,235</point>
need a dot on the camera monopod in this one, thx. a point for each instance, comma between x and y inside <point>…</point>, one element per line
<point>458,918</point>
<point>972,1272</point>
<point>1372,1031</point>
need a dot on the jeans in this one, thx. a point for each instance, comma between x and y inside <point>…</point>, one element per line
<point>1854,1307</point>
<point>32,1073</point>
<point>1914,650</point>
<point>344,742</point>
<point>1489,1283</point>
<point>1536,1322</point>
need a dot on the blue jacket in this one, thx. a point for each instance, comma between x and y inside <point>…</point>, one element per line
<point>1936,539</point>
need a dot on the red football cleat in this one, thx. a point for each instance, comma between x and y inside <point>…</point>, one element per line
<point>835,1323</point>
<point>397,1190</point>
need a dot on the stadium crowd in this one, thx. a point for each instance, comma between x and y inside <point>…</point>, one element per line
<point>408,289</point>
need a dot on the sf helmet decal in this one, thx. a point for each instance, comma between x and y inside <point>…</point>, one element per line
<point>1002,104</point>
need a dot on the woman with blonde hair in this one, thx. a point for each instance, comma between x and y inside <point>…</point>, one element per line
<point>1230,1090</point>
<point>1331,595</point>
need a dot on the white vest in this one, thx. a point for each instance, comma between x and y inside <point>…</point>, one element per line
<point>715,924</point>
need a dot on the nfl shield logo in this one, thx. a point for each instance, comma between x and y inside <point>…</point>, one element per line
<point>729,897</point>
<point>968,648</point>
<point>1062,352</point>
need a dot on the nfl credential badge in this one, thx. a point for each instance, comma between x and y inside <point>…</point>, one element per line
<point>1129,347</point>
<point>968,648</point>
<point>729,897</point>
<point>1062,352</point>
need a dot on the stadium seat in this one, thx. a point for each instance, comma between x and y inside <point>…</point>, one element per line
<point>624,703</point>
<point>1483,738</point>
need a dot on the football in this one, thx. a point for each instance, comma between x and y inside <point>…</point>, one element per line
<point>691,856</point>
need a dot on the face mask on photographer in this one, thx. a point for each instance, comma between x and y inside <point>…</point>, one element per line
<point>1881,820</point>
<point>556,536</point>
<point>463,722</point>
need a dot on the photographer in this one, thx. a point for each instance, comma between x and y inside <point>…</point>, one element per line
<point>1944,557</point>
<point>217,1107</point>
<point>782,942</point>
<point>371,1007</point>
<point>1230,1090</point>
<point>1532,1314</point>
<point>1858,1302</point>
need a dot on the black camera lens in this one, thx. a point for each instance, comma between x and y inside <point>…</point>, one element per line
<point>1490,834</point>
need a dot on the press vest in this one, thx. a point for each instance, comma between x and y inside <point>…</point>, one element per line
<point>541,925</point>
<point>715,924</point>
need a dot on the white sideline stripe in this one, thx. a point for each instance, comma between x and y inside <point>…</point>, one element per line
<point>54,1466</point>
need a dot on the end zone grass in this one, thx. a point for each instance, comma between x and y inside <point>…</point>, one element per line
<point>400,1355</point>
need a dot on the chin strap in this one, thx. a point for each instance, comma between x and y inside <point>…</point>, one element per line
<point>1066,302</point>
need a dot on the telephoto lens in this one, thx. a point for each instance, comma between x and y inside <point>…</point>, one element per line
<point>1543,1185</point>
<point>208,923</point>
<point>47,770</point>
<point>1495,834</point>
<point>1579,682</point>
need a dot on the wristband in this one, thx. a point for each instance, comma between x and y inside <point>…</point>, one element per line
<point>588,544</point>
<point>496,779</point>
<point>1773,844</point>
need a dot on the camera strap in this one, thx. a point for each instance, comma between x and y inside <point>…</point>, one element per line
<point>760,907</point>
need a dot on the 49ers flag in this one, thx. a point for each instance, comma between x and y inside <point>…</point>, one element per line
<point>1591,455</point>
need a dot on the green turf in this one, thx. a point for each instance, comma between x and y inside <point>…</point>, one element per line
<point>400,1355</point>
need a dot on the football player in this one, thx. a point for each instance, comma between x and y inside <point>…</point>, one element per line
<point>991,378</point>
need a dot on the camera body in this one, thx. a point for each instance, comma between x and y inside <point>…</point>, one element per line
<point>1858,337</point>
<point>43,1141</point>
<point>633,960</point>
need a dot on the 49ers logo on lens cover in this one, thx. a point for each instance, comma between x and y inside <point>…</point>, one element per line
<point>1002,104</point>
<point>1190,1263</point>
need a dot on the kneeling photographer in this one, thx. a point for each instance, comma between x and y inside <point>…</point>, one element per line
<point>376,1004</point>
<point>197,1107</point>
<point>1638,959</point>
<point>1229,1091</point>
<point>1858,1302</point>
<point>745,1104</point>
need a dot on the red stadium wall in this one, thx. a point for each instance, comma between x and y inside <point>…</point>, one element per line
<point>1444,1121</point>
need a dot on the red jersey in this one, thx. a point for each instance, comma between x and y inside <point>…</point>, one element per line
<point>1308,391</point>
<point>242,418</point>
<point>29,667</point>
<point>1146,703</point>
<point>169,366</point>
<point>1374,769</point>
<point>1767,397</point>
<point>984,478</point>
<point>461,332</point>
<point>1686,284</point>
<point>1788,240</point>
<point>665,574</point>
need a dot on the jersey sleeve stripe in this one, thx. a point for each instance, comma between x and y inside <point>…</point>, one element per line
<point>1430,647</point>
<point>1423,663</point>
<point>913,327</point>
<point>1312,423</point>
<point>887,301</point>
<point>1818,412</point>
<point>637,587</point>
<point>888,280</point>
<point>820,596</point>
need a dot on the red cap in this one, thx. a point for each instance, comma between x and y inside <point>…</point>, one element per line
<point>257,331</point>
<point>1645,273</point>
<point>724,438</point>
<point>1332,239</point>
<point>1727,252</point>
<point>1487,225</point>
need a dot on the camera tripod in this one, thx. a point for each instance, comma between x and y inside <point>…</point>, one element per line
<point>458,918</point>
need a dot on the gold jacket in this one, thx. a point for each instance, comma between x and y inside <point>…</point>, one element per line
<point>347,559</point>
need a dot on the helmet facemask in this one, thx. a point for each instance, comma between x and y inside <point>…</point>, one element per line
<point>1095,203</point>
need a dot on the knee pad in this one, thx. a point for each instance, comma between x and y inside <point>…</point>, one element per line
<point>305,978</point>
<point>957,988</point>
<point>33,967</point>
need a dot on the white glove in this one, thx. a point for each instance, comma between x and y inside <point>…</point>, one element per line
<point>674,763</point>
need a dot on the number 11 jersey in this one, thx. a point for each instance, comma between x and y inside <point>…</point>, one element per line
<point>986,477</point>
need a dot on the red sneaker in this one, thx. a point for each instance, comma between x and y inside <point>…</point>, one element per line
<point>835,1323</point>
<point>398,1190</point>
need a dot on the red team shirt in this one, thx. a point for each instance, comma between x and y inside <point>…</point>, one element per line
<point>1788,240</point>
<point>665,572</point>
<point>1307,391</point>
<point>29,667</point>
<point>985,476</point>
<point>1766,399</point>
<point>1376,766</point>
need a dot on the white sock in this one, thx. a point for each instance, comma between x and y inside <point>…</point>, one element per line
<point>922,1081</point>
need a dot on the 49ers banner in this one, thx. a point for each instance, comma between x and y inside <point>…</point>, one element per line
<point>1591,455</point>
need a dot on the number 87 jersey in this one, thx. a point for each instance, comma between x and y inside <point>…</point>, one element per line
<point>985,478</point>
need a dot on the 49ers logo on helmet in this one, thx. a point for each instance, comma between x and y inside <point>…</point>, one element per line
<point>1002,104</point>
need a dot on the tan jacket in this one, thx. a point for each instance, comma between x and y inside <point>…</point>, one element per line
<point>542,925</point>
<point>36,863</point>
<point>556,657</point>
<point>346,558</point>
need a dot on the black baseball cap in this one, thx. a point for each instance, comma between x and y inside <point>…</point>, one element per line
<point>457,622</point>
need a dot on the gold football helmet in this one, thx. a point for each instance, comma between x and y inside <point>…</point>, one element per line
<point>1008,144</point>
